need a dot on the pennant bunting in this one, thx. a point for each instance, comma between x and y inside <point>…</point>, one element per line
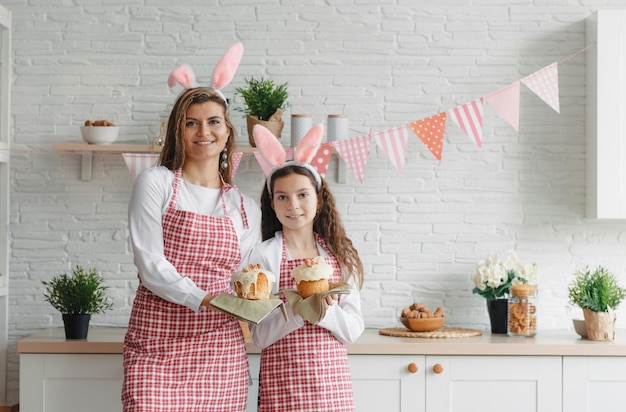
<point>354,152</point>
<point>393,144</point>
<point>469,117</point>
<point>430,132</point>
<point>322,158</point>
<point>545,84</point>
<point>505,101</point>
<point>138,162</point>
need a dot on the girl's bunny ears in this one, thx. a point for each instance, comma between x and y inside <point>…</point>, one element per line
<point>275,153</point>
<point>222,74</point>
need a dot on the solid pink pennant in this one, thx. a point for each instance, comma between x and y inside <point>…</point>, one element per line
<point>354,152</point>
<point>469,117</point>
<point>545,84</point>
<point>138,162</point>
<point>430,131</point>
<point>393,144</point>
<point>506,102</point>
<point>322,158</point>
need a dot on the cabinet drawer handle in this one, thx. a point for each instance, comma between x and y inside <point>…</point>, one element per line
<point>437,368</point>
<point>412,367</point>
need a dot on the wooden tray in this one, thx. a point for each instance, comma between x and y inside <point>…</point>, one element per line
<point>439,333</point>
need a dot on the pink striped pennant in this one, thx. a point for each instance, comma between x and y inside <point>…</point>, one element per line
<point>138,162</point>
<point>469,117</point>
<point>354,152</point>
<point>545,84</point>
<point>393,143</point>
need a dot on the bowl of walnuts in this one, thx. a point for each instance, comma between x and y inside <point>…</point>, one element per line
<point>419,318</point>
<point>99,132</point>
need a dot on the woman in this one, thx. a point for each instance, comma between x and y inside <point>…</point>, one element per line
<point>190,229</point>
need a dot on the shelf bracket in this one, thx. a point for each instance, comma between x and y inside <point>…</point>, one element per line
<point>85,168</point>
<point>341,170</point>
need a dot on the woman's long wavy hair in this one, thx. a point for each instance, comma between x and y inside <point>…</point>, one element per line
<point>173,151</point>
<point>326,223</point>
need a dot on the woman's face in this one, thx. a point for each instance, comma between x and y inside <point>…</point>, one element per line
<point>205,133</point>
<point>295,202</point>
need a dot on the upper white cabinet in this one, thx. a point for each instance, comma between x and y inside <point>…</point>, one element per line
<point>606,106</point>
<point>5,144</point>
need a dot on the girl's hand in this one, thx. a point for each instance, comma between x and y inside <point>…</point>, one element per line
<point>330,300</point>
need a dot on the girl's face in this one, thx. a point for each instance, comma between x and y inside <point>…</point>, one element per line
<point>295,202</point>
<point>205,133</point>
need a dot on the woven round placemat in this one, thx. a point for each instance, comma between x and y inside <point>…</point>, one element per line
<point>439,333</point>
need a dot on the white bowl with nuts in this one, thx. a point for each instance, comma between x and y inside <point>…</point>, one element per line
<point>99,132</point>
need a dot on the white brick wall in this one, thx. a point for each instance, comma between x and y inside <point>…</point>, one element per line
<point>385,63</point>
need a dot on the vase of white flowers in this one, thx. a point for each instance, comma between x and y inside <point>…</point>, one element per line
<point>493,279</point>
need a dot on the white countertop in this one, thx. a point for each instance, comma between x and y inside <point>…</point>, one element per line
<point>102,340</point>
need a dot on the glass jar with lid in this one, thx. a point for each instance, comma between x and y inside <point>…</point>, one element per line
<point>522,310</point>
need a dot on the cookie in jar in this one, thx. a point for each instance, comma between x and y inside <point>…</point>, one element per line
<point>522,310</point>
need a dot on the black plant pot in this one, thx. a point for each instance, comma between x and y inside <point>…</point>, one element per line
<point>76,326</point>
<point>498,315</point>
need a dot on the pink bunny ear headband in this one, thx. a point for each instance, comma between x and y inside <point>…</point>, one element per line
<point>275,154</point>
<point>222,74</point>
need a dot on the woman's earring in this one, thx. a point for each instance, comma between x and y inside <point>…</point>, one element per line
<point>224,164</point>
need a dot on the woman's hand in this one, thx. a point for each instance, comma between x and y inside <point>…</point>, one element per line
<point>206,301</point>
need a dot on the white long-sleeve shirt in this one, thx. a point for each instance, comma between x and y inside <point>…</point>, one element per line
<point>344,319</point>
<point>150,198</point>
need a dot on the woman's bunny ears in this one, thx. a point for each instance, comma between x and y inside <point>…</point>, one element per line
<point>275,153</point>
<point>222,74</point>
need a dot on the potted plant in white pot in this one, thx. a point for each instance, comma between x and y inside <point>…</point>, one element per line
<point>264,104</point>
<point>598,294</point>
<point>77,297</point>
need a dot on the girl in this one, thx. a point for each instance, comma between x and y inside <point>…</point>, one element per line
<point>190,229</point>
<point>304,366</point>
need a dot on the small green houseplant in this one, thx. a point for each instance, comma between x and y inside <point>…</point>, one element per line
<point>264,104</point>
<point>77,297</point>
<point>598,294</point>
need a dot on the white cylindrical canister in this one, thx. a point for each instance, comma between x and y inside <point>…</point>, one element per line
<point>337,127</point>
<point>300,125</point>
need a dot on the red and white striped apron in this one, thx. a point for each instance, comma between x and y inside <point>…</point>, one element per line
<point>308,369</point>
<point>176,359</point>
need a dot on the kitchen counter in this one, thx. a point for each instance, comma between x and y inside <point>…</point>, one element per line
<point>103,340</point>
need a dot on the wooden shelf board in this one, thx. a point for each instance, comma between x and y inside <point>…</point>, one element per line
<point>121,148</point>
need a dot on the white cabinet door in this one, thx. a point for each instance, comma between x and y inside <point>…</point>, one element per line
<point>253,389</point>
<point>385,383</point>
<point>70,383</point>
<point>593,384</point>
<point>493,383</point>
